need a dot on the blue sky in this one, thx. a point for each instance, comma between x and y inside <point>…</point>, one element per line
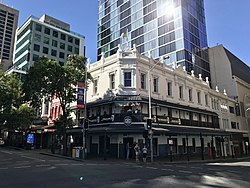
<point>227,21</point>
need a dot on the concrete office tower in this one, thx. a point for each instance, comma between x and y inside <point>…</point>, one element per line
<point>46,36</point>
<point>8,25</point>
<point>165,27</point>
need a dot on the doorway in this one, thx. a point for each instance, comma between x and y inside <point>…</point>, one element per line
<point>129,140</point>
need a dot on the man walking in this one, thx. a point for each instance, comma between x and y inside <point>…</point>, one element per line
<point>127,150</point>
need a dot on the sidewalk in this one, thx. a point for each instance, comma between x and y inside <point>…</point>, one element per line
<point>156,161</point>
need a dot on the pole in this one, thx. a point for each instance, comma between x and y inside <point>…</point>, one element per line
<point>84,131</point>
<point>149,100</point>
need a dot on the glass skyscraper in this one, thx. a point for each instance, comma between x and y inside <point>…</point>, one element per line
<point>165,27</point>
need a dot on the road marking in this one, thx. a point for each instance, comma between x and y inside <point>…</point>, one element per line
<point>4,168</point>
<point>185,171</point>
<point>22,166</point>
<point>138,166</point>
<point>6,152</point>
<point>77,164</point>
<point>32,158</point>
<point>3,160</point>
<point>61,164</point>
<point>151,168</point>
<point>196,167</point>
<point>168,170</point>
<point>232,171</point>
<point>43,165</point>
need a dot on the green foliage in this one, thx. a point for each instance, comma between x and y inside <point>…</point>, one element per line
<point>48,78</point>
<point>13,113</point>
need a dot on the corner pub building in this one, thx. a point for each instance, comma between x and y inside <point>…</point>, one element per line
<point>188,116</point>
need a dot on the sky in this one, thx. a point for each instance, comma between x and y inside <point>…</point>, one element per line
<point>227,21</point>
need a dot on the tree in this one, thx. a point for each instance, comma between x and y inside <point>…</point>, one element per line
<point>14,114</point>
<point>47,78</point>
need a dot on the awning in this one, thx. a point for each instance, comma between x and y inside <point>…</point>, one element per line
<point>157,129</point>
<point>196,130</point>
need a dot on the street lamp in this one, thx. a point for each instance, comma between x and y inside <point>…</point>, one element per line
<point>149,99</point>
<point>84,129</point>
<point>248,128</point>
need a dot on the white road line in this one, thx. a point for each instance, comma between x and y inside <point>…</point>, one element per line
<point>138,166</point>
<point>61,164</point>
<point>185,171</point>
<point>196,168</point>
<point>32,158</point>
<point>168,165</point>
<point>6,152</point>
<point>77,164</point>
<point>170,170</point>
<point>43,165</point>
<point>4,168</point>
<point>22,166</point>
<point>232,171</point>
<point>3,160</point>
<point>151,168</point>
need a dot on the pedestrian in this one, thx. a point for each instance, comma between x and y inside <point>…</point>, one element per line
<point>137,150</point>
<point>144,153</point>
<point>127,150</point>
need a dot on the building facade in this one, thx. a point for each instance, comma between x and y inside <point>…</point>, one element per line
<point>8,25</point>
<point>48,37</point>
<point>190,120</point>
<point>230,73</point>
<point>175,28</point>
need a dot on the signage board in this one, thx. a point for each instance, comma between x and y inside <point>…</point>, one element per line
<point>80,94</point>
<point>30,138</point>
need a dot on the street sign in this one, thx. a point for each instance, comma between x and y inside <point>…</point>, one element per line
<point>170,142</point>
<point>30,139</point>
<point>80,94</point>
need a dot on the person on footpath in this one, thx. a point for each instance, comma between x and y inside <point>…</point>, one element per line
<point>128,150</point>
<point>144,153</point>
<point>137,150</point>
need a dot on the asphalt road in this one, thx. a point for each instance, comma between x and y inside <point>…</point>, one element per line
<point>25,169</point>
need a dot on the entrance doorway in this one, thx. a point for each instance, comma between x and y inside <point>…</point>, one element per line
<point>130,141</point>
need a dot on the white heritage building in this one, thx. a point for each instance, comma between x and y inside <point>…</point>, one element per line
<point>185,110</point>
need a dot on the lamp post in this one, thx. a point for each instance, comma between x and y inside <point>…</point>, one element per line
<point>149,100</point>
<point>248,128</point>
<point>84,130</point>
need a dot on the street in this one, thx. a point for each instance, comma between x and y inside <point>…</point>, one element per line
<point>26,169</point>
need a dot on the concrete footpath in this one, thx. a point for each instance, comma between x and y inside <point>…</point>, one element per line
<point>111,160</point>
<point>156,161</point>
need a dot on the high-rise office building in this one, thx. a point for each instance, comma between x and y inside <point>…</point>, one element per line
<point>175,28</point>
<point>48,37</point>
<point>8,25</point>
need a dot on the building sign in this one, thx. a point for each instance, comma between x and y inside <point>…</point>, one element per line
<point>30,139</point>
<point>127,121</point>
<point>80,94</point>
<point>170,142</point>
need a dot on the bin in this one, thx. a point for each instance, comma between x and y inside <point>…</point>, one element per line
<point>74,153</point>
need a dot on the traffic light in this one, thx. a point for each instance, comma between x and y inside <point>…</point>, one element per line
<point>86,123</point>
<point>149,124</point>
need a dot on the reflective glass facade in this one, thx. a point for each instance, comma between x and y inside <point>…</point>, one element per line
<point>165,27</point>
